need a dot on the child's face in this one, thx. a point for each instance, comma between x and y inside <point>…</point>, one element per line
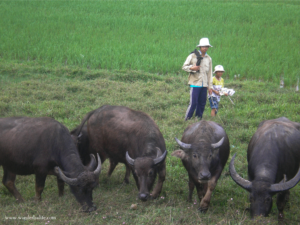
<point>219,74</point>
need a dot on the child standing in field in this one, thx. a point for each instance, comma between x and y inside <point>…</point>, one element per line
<point>218,84</point>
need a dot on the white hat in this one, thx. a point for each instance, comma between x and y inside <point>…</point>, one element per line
<point>219,68</point>
<point>204,42</point>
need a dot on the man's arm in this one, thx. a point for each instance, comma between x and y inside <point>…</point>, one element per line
<point>187,65</point>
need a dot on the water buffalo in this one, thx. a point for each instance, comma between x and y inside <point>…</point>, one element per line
<point>273,155</point>
<point>130,137</point>
<point>43,146</point>
<point>204,152</point>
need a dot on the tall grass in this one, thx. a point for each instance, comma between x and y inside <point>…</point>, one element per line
<point>257,39</point>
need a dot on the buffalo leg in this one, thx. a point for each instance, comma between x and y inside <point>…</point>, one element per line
<point>112,166</point>
<point>9,182</point>
<point>201,190</point>
<point>39,185</point>
<point>282,199</point>
<point>61,186</point>
<point>191,189</point>
<point>161,179</point>
<point>212,183</point>
<point>127,174</point>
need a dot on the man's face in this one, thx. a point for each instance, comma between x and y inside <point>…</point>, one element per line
<point>204,49</point>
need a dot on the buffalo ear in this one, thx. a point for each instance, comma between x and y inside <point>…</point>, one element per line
<point>179,154</point>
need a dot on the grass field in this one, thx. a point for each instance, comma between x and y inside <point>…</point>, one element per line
<point>63,59</point>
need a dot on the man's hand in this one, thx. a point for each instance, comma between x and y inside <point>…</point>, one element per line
<point>195,68</point>
<point>210,91</point>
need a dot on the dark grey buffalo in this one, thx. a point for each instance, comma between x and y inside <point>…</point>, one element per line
<point>204,153</point>
<point>273,161</point>
<point>43,146</point>
<point>130,137</point>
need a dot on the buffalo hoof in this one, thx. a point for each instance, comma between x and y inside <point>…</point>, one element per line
<point>202,210</point>
<point>153,196</point>
<point>89,209</point>
<point>126,181</point>
<point>93,208</point>
<point>20,200</point>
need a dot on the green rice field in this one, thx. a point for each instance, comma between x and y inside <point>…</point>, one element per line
<point>256,39</point>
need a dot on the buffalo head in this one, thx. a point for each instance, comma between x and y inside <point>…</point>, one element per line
<point>82,186</point>
<point>144,170</point>
<point>261,192</point>
<point>201,158</point>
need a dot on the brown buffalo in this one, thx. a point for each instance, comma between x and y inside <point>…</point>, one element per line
<point>130,137</point>
<point>273,161</point>
<point>204,153</point>
<point>43,146</point>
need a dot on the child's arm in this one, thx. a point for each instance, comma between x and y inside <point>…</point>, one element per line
<point>216,92</point>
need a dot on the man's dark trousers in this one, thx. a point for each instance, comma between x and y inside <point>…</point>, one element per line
<point>198,97</point>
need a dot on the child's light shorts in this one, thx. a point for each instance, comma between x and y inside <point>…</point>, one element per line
<point>214,104</point>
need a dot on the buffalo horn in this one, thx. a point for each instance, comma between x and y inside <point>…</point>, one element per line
<point>286,185</point>
<point>98,169</point>
<point>237,178</point>
<point>158,152</point>
<point>70,181</point>
<point>217,145</point>
<point>92,163</point>
<point>160,158</point>
<point>183,145</point>
<point>129,160</point>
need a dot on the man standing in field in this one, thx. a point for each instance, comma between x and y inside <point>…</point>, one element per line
<point>199,66</point>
